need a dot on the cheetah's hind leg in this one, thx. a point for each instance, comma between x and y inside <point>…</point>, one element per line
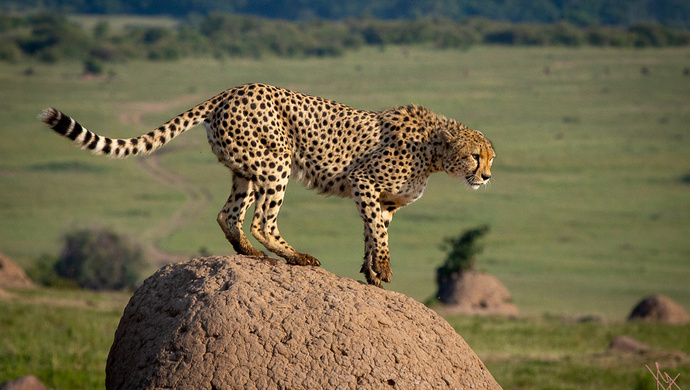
<point>232,215</point>
<point>268,199</point>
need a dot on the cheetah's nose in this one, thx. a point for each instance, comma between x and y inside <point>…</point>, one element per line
<point>485,176</point>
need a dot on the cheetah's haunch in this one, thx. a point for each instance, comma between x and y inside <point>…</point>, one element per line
<point>265,134</point>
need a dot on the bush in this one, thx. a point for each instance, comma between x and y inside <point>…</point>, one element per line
<point>461,254</point>
<point>52,37</point>
<point>42,271</point>
<point>93,66</point>
<point>567,34</point>
<point>99,259</point>
<point>607,36</point>
<point>647,34</point>
<point>9,51</point>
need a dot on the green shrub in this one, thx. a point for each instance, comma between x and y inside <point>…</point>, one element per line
<point>51,37</point>
<point>42,271</point>
<point>9,51</point>
<point>462,251</point>
<point>93,66</point>
<point>99,259</point>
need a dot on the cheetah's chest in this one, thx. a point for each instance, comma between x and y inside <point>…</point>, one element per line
<point>409,192</point>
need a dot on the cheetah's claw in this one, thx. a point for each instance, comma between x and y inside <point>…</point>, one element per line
<point>304,259</point>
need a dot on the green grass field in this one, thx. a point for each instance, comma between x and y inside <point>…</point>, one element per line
<point>589,204</point>
<point>63,337</point>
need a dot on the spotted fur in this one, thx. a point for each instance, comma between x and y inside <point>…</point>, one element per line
<point>265,135</point>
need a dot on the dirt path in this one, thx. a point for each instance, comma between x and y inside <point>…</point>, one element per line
<point>197,197</point>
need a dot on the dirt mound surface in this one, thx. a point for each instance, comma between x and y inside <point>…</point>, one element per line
<point>28,382</point>
<point>12,275</point>
<point>239,322</point>
<point>476,293</point>
<point>628,345</point>
<point>659,308</point>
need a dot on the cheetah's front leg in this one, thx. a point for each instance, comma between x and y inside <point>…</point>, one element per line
<point>376,267</point>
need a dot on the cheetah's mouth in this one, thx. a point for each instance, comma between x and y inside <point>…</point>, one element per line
<point>474,184</point>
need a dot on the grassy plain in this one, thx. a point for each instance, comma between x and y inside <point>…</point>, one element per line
<point>63,337</point>
<point>589,206</point>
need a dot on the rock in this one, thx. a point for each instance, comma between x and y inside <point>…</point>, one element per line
<point>28,382</point>
<point>239,322</point>
<point>476,293</point>
<point>12,275</point>
<point>628,345</point>
<point>659,308</point>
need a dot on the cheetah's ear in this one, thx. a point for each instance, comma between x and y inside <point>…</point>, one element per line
<point>447,135</point>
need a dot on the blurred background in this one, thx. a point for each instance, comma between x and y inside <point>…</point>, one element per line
<point>588,209</point>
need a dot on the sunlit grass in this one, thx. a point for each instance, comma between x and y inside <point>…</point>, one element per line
<point>63,337</point>
<point>564,353</point>
<point>587,205</point>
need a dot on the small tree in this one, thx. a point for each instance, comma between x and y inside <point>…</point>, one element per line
<point>93,66</point>
<point>461,254</point>
<point>100,259</point>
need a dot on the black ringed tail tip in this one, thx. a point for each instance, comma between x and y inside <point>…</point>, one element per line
<point>50,116</point>
<point>60,123</point>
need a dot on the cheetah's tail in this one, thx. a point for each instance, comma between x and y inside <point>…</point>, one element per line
<point>118,148</point>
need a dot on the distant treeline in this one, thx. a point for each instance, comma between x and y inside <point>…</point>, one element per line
<point>52,37</point>
<point>673,13</point>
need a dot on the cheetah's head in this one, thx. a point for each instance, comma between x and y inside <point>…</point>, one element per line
<point>467,155</point>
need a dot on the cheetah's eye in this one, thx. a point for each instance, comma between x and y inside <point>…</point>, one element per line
<point>475,157</point>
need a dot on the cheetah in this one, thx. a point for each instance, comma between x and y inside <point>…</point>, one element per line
<point>265,135</point>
